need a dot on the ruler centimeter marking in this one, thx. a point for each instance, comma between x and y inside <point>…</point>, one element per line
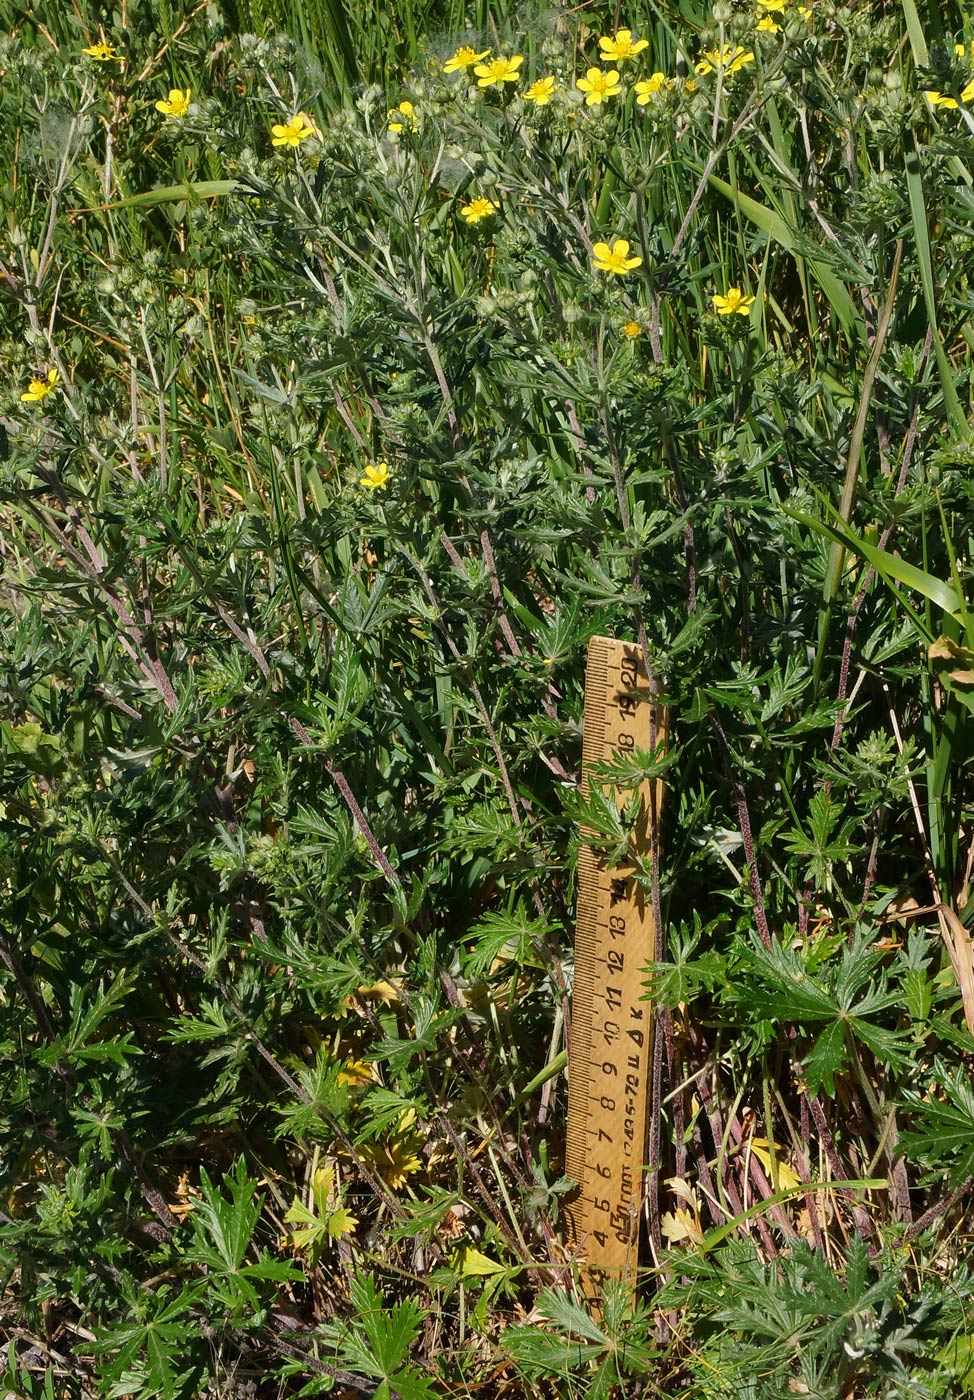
<point>615,936</point>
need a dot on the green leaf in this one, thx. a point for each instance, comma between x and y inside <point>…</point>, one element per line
<point>889,566</point>
<point>224,1228</point>
<point>173,194</point>
<point>957,1357</point>
<point>378,1340</point>
<point>914,185</point>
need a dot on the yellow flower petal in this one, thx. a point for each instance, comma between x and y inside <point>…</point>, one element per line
<point>479,208</point>
<point>735,300</point>
<point>291,133</point>
<point>376,475</point>
<point>464,58</point>
<point>177,103</point>
<point>540,92</point>
<point>598,86</point>
<point>498,71</point>
<point>615,260</point>
<point>621,46</point>
<point>39,389</point>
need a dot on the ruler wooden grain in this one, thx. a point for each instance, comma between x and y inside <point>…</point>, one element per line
<point>609,1052</point>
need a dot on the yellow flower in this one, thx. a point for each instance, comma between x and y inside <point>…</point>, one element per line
<point>632,329</point>
<point>938,99</point>
<point>616,259</point>
<point>377,474</point>
<point>479,208</point>
<point>499,70</point>
<point>768,26</point>
<point>735,300</point>
<point>40,388</point>
<point>176,105</point>
<point>728,59</point>
<point>621,46</point>
<point>292,133</point>
<point>102,52</point>
<point>464,58</point>
<point>656,82</point>
<point>598,85</point>
<point>540,91</point>
<point>777,5</point>
<point>407,111</point>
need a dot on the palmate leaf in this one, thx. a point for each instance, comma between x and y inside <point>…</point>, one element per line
<point>224,1227</point>
<point>939,1129</point>
<point>378,1341</point>
<point>845,997</point>
<point>681,979</point>
<point>511,935</point>
<point>607,1350</point>
<point>150,1351</point>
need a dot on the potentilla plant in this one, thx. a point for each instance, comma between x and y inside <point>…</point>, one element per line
<point>336,422</point>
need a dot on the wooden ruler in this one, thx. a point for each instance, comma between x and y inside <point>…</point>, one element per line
<point>609,1054</point>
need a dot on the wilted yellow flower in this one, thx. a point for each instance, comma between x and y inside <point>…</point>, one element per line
<point>381,991</point>
<point>621,46</point>
<point>401,115</point>
<point>728,59</point>
<point>616,259</point>
<point>102,52</point>
<point>656,82</point>
<point>598,85</point>
<point>735,300</point>
<point>479,208</point>
<point>177,103</point>
<point>376,474</point>
<point>39,389</point>
<point>681,1225</point>
<point>632,329</point>
<point>292,133</point>
<point>464,58</point>
<point>498,71</point>
<point>540,91</point>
